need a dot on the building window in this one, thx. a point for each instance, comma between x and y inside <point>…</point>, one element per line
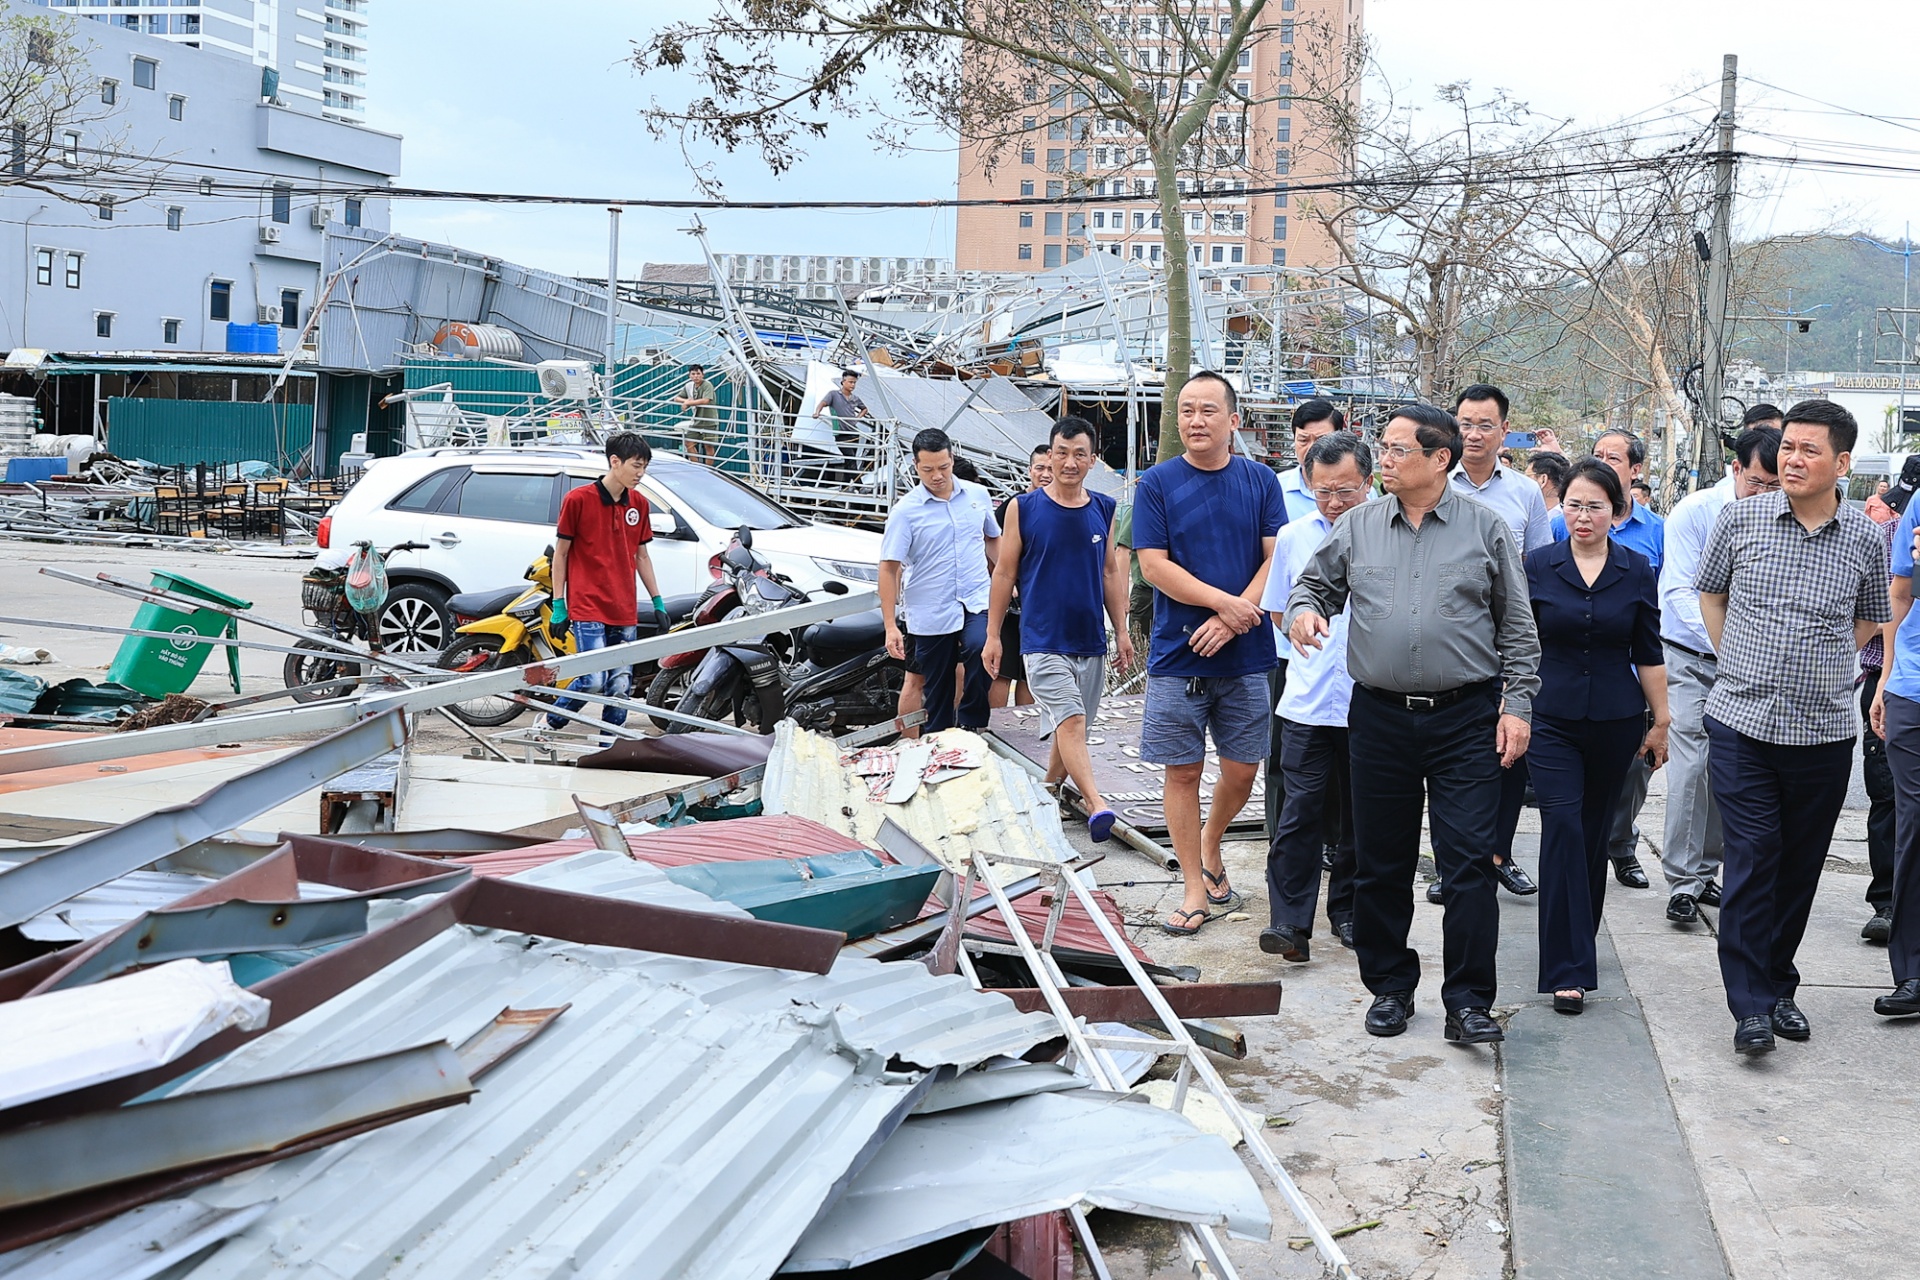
<point>1050,255</point>
<point>1279,257</point>
<point>1026,187</point>
<point>282,204</point>
<point>176,107</point>
<point>1219,222</point>
<point>144,71</point>
<point>1053,224</point>
<point>1056,159</point>
<point>1286,31</point>
<point>1283,162</point>
<point>1076,252</point>
<point>1153,253</point>
<point>1056,189</point>
<point>170,331</point>
<point>1279,226</point>
<point>1026,219</point>
<point>103,324</point>
<point>1246,55</point>
<point>1026,155</point>
<point>1239,222</point>
<point>1219,253</point>
<point>1286,65</point>
<point>70,148</point>
<point>174,215</point>
<point>43,266</point>
<point>1027,122</point>
<point>105,208</point>
<point>351,211</point>
<point>1139,220</point>
<point>1280,198</point>
<point>73,270</point>
<point>220,300</point>
<point>109,91</point>
<point>1026,253</point>
<point>1139,252</point>
<point>1077,224</point>
<point>1057,130</point>
<point>289,308</point>
<point>1100,219</point>
<point>1237,254</point>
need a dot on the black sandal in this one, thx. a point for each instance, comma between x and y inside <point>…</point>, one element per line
<point>1569,1004</point>
<point>1186,930</point>
<point>1230,901</point>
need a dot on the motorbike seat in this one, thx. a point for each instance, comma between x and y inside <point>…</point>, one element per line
<point>857,631</point>
<point>679,609</point>
<point>484,604</point>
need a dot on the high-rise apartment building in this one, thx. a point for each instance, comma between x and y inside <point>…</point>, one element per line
<point>319,52</point>
<point>1238,209</point>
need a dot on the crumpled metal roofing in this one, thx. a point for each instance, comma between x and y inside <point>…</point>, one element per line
<point>683,1118</point>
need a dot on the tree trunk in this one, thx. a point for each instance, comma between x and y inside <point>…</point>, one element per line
<point>1173,236</point>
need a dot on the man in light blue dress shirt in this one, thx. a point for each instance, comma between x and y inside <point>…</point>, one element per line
<point>1690,853</point>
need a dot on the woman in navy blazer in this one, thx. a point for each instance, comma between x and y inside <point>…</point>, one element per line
<point>1597,605</point>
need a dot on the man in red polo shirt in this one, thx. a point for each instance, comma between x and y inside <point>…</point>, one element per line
<point>601,543</point>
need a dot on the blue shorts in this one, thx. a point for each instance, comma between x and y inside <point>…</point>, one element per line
<point>1234,709</point>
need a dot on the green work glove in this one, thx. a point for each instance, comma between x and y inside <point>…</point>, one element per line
<point>660,623</point>
<point>558,622</point>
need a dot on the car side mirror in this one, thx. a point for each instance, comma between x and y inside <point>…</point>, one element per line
<point>662,524</point>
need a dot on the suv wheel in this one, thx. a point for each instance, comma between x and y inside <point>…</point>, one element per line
<point>415,620</point>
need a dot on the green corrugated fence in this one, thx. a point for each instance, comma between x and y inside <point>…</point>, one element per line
<point>183,432</point>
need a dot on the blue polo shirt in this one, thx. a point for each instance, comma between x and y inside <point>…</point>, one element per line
<point>1904,679</point>
<point>1644,531</point>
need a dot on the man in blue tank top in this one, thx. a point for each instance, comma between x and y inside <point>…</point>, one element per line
<point>1056,545</point>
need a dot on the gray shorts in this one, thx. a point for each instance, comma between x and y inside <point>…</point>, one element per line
<point>1234,709</point>
<point>1066,685</point>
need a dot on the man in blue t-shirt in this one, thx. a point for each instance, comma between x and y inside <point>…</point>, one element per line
<point>1895,716</point>
<point>1203,527</point>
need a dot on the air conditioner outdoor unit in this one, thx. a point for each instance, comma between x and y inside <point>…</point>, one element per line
<point>565,379</point>
<point>322,215</point>
<point>266,315</point>
<point>269,234</point>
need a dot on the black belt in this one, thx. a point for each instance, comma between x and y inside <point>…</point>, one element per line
<point>1687,648</point>
<point>1429,701</point>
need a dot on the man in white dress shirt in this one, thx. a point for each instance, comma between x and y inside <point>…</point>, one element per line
<point>1690,854</point>
<point>1313,715</point>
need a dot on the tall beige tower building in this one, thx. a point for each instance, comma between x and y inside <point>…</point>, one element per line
<point>1065,153</point>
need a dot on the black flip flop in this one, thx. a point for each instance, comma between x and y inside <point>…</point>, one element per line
<point>1231,901</point>
<point>1182,930</point>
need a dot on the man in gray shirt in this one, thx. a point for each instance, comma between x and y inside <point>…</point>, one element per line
<point>1445,660</point>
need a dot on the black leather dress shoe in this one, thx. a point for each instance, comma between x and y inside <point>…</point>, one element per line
<point>1789,1022</point>
<point>1472,1026</point>
<point>1682,909</point>
<point>1433,894</point>
<point>1389,1013</point>
<point>1327,854</point>
<point>1286,942</point>
<point>1904,1002</point>
<point>1343,930</point>
<point>1710,896</point>
<point>1514,879</point>
<point>1627,871</point>
<point>1880,928</point>
<point>1753,1035</point>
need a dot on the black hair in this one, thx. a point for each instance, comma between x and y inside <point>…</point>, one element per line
<point>1636,447</point>
<point>1591,468</point>
<point>1842,430</point>
<point>1233,397</point>
<point>1039,449</point>
<point>1761,443</point>
<point>1482,391</point>
<point>628,445</point>
<point>931,440</point>
<point>963,469</point>
<point>696,368</point>
<point>1762,412</point>
<point>1434,428</point>
<point>1329,449</point>
<point>1554,466</point>
<point>849,373</point>
<point>1308,412</point>
<point>1069,427</point>
<point>1641,486</point>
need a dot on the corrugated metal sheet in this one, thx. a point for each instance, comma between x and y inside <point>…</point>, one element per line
<point>998,419</point>
<point>173,432</point>
<point>682,1119</point>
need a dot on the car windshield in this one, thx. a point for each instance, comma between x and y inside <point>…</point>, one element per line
<point>724,502</point>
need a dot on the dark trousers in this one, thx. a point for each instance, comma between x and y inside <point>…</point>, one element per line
<point>1903,754</point>
<point>1318,777</point>
<point>1777,805</point>
<point>1276,789</point>
<point>1878,775</point>
<point>1513,798</point>
<point>1445,760</point>
<point>1578,767</point>
<point>934,658</point>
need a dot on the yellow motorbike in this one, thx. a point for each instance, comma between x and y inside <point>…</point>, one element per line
<point>505,634</point>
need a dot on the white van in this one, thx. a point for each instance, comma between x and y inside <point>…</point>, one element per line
<point>1870,470</point>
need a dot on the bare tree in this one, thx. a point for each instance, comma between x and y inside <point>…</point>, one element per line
<point>51,110</point>
<point>1156,76</point>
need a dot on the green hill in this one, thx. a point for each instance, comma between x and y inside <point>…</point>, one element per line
<point>1851,278</point>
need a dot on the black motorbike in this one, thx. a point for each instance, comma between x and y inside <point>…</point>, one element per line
<point>829,676</point>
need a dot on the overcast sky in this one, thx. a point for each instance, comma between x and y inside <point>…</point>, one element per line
<point>520,97</point>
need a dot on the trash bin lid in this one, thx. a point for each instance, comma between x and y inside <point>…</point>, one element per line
<point>188,587</point>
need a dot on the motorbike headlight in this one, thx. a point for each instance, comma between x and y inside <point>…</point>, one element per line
<point>852,569</point>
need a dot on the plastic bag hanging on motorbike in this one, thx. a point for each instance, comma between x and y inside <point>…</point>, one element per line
<point>366,581</point>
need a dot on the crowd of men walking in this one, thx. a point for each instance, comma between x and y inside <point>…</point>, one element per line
<point>1409,628</point>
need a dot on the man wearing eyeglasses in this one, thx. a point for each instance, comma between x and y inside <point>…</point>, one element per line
<point>1481,411</point>
<point>1445,660</point>
<point>1690,853</point>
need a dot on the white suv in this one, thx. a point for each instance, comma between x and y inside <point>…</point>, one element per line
<point>485,513</point>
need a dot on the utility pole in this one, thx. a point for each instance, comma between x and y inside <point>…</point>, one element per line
<point>1709,461</point>
<point>613,309</point>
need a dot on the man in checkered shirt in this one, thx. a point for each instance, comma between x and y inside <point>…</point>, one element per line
<point>1791,585</point>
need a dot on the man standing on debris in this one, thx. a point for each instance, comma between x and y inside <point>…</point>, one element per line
<point>1203,526</point>
<point>1792,586</point>
<point>1012,667</point>
<point>1056,543</point>
<point>599,545</point>
<point>703,420</point>
<point>940,542</point>
<point>1445,661</point>
<point>846,408</point>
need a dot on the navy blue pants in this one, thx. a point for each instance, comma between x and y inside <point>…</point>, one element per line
<point>1902,748</point>
<point>1444,761</point>
<point>934,657</point>
<point>1513,798</point>
<point>1313,759</point>
<point>1578,769</point>
<point>1778,805</point>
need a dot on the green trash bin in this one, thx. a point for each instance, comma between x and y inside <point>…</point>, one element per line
<point>159,667</point>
